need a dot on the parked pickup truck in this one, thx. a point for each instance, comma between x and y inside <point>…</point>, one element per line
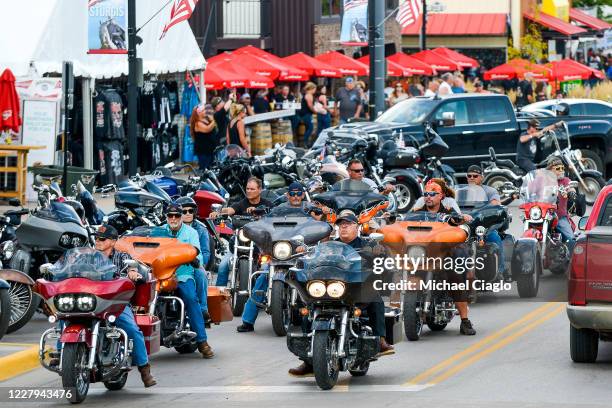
<point>589,307</point>
<point>470,123</point>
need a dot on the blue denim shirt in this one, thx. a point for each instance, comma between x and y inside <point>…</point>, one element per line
<point>186,235</point>
<point>204,241</point>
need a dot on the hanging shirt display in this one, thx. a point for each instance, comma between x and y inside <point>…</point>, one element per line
<point>190,99</point>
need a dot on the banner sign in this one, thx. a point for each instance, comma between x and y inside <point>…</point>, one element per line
<point>355,23</point>
<point>107,27</point>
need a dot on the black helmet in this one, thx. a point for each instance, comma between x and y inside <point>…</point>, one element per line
<point>187,202</point>
<point>562,109</point>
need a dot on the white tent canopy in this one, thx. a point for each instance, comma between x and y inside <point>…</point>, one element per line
<point>46,32</point>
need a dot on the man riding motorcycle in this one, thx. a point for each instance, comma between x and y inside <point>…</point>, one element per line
<point>475,177</point>
<point>190,209</point>
<point>436,191</point>
<point>243,207</point>
<point>348,227</point>
<point>564,226</point>
<point>527,145</point>
<point>106,238</point>
<point>357,172</point>
<point>185,276</point>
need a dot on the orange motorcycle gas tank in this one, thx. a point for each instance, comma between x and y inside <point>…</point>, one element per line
<point>413,232</point>
<point>163,255</point>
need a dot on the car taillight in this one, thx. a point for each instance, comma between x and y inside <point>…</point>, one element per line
<point>578,264</point>
<point>576,288</point>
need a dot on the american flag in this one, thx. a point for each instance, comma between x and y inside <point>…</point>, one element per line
<point>92,3</point>
<point>181,11</point>
<point>409,12</point>
<point>349,4</point>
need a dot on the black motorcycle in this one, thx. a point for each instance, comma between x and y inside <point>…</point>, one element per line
<point>5,307</point>
<point>278,235</point>
<point>233,169</point>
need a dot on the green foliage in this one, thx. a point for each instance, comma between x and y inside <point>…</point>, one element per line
<point>594,3</point>
<point>533,48</point>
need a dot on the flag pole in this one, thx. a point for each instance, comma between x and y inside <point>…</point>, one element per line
<point>424,27</point>
<point>132,89</point>
<point>376,17</point>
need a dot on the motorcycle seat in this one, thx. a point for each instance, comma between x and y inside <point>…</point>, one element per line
<point>506,163</point>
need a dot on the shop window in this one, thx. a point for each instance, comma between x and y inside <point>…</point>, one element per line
<point>331,8</point>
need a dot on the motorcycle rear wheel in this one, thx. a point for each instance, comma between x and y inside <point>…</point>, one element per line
<point>187,348</point>
<point>75,375</point>
<point>242,274</point>
<point>117,383</point>
<point>405,196</point>
<point>280,309</point>
<point>433,326</point>
<point>5,311</point>
<point>23,305</point>
<point>325,365</point>
<point>361,371</point>
<point>496,181</point>
<point>413,325</point>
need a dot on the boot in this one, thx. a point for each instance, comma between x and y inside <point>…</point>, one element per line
<point>245,328</point>
<point>145,375</point>
<point>205,350</point>
<point>207,319</point>
<point>466,328</point>
<point>385,348</point>
<point>303,370</point>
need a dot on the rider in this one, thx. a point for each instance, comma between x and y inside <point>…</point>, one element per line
<point>527,145</point>
<point>348,227</point>
<point>185,276</point>
<point>564,226</point>
<point>245,206</point>
<point>435,192</point>
<point>190,209</point>
<point>295,199</point>
<point>106,238</point>
<point>474,178</point>
<point>357,173</point>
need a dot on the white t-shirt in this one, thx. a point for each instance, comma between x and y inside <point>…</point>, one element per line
<point>445,89</point>
<point>429,92</point>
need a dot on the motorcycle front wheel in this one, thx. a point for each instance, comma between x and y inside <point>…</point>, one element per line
<point>75,374</point>
<point>23,305</point>
<point>325,363</point>
<point>5,311</point>
<point>280,308</point>
<point>242,275</point>
<point>413,325</point>
<point>593,187</point>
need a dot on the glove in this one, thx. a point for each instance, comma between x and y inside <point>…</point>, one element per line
<point>195,263</point>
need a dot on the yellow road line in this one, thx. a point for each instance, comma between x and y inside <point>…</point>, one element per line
<point>476,346</point>
<point>459,367</point>
<point>18,363</point>
<point>4,343</point>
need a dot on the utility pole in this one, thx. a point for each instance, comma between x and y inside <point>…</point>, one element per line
<point>132,89</point>
<point>424,27</point>
<point>376,23</point>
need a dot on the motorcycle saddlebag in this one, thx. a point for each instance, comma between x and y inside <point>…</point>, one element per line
<point>219,307</point>
<point>144,294</point>
<point>151,329</point>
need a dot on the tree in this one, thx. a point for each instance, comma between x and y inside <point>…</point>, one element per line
<point>593,3</point>
<point>533,48</point>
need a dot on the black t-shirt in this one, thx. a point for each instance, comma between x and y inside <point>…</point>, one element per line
<point>526,150</point>
<point>524,89</point>
<point>221,119</point>
<point>261,105</point>
<point>241,206</point>
<point>279,99</point>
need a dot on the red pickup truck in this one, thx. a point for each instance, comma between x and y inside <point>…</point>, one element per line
<point>589,305</point>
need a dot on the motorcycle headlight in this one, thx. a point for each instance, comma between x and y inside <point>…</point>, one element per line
<point>481,231</point>
<point>316,289</point>
<point>281,250</point>
<point>65,240</point>
<point>535,213</point>
<point>336,289</point>
<point>466,229</point>
<point>76,242</point>
<point>242,237</point>
<point>415,252</point>
<point>8,249</point>
<point>86,303</point>
<point>64,303</point>
<point>578,155</point>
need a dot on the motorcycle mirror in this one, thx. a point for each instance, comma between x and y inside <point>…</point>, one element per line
<point>130,263</point>
<point>582,223</point>
<point>573,184</point>
<point>298,240</point>
<point>44,268</point>
<point>448,119</point>
<point>14,202</point>
<point>388,180</point>
<point>216,207</point>
<point>376,236</point>
<point>169,165</point>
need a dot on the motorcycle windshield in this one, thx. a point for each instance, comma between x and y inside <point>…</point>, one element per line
<point>425,216</point>
<point>158,191</point>
<point>61,212</point>
<point>83,263</point>
<point>356,201</point>
<point>151,232</point>
<point>333,260</point>
<point>230,152</point>
<point>351,185</point>
<point>469,195</point>
<point>540,186</point>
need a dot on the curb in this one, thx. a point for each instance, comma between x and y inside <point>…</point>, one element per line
<point>19,363</point>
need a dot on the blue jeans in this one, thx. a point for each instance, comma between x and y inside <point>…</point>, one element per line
<point>249,315</point>
<point>187,292</point>
<point>224,269</point>
<point>494,238</point>
<point>565,229</point>
<point>307,119</point>
<point>323,122</point>
<point>201,288</point>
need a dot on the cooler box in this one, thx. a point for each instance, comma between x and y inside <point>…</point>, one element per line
<point>151,329</point>
<point>219,304</point>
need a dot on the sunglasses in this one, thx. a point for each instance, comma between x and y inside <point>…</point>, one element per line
<point>101,239</point>
<point>430,193</point>
<point>357,170</point>
<point>473,176</point>
<point>185,212</point>
<point>559,168</point>
<point>296,193</point>
<point>173,215</point>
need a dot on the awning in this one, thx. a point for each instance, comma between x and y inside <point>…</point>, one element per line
<point>568,69</point>
<point>490,24</point>
<point>415,66</point>
<point>227,74</point>
<point>588,20</point>
<point>269,68</point>
<point>393,68</point>
<point>462,60</point>
<point>344,63</point>
<point>439,62</point>
<point>516,68</point>
<point>312,65</point>
<point>554,23</point>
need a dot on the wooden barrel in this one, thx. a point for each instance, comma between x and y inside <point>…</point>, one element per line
<point>261,138</point>
<point>282,132</point>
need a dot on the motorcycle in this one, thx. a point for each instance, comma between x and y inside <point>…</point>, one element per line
<point>328,280</point>
<point>424,235</point>
<point>540,244</point>
<point>277,236</point>
<point>233,168</point>
<point>82,291</point>
<point>500,172</point>
<point>5,307</point>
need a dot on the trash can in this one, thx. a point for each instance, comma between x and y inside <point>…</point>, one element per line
<point>85,176</point>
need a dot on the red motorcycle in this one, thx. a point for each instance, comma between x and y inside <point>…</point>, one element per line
<point>81,290</point>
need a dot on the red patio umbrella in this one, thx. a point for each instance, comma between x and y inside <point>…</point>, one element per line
<point>415,66</point>
<point>462,60</point>
<point>230,75</point>
<point>439,62</point>
<point>393,68</point>
<point>595,72</point>
<point>346,64</point>
<point>312,65</point>
<point>288,72</point>
<point>9,103</point>
<point>517,68</point>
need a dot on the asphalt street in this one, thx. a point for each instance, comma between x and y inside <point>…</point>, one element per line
<point>519,358</point>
